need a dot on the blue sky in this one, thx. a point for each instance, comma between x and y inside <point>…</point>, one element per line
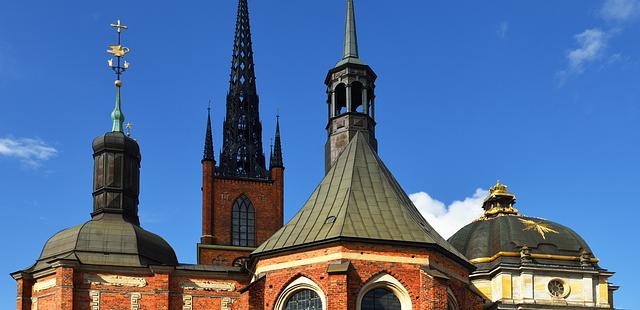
<point>540,94</point>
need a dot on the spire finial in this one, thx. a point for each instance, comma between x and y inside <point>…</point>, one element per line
<point>119,67</point>
<point>276,153</point>
<point>129,126</point>
<point>350,34</point>
<point>499,202</point>
<point>208,139</point>
<point>350,53</point>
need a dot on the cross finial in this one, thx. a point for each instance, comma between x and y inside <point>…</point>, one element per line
<point>119,26</point>
<point>209,106</point>
<point>129,126</point>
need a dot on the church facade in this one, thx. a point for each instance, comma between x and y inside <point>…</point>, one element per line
<point>357,243</point>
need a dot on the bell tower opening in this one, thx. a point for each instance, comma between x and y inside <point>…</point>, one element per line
<point>350,86</point>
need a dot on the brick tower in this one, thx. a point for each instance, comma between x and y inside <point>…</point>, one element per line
<point>242,200</point>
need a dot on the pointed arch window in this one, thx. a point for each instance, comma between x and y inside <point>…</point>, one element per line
<point>380,299</point>
<point>243,223</point>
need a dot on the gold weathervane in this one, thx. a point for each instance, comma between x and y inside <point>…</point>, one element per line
<point>119,66</point>
<point>542,229</point>
<point>118,51</point>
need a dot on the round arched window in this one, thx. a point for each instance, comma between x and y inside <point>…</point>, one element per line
<point>380,299</point>
<point>304,300</point>
<point>557,288</point>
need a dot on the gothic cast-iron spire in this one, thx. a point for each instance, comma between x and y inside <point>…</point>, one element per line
<point>208,139</point>
<point>242,155</point>
<point>276,154</point>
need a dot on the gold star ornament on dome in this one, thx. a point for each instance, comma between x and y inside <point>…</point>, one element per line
<point>542,229</point>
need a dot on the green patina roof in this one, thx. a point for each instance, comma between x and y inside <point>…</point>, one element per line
<point>358,198</point>
<point>350,51</point>
<point>107,240</point>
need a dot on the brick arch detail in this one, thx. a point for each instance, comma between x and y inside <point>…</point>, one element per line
<point>394,275</point>
<point>403,293</point>
<point>297,275</point>
<point>284,289</point>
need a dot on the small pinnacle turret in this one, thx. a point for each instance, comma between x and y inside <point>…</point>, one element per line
<point>208,140</point>
<point>276,154</point>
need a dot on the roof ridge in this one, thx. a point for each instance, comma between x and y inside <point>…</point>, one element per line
<point>368,202</point>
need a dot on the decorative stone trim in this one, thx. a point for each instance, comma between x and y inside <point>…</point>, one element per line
<point>135,301</point>
<point>226,303</point>
<point>34,303</point>
<point>187,302</point>
<point>301,283</point>
<point>46,284</point>
<point>114,280</point>
<point>197,285</point>
<point>389,282</point>
<point>95,300</point>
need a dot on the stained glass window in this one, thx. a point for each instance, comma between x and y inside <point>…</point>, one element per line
<point>380,299</point>
<point>304,300</point>
<point>243,226</point>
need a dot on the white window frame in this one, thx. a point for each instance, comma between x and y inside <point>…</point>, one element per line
<point>387,281</point>
<point>301,283</point>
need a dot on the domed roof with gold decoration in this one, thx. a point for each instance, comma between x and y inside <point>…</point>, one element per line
<point>503,235</point>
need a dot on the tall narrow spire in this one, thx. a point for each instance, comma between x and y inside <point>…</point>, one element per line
<point>350,53</point>
<point>208,139</point>
<point>350,34</point>
<point>242,155</point>
<point>276,155</point>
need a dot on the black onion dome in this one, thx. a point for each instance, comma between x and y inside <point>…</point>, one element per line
<point>110,241</point>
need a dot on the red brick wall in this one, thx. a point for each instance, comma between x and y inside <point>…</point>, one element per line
<point>207,201</point>
<point>23,301</point>
<point>342,290</point>
<point>267,198</point>
<point>163,291</point>
<point>220,257</point>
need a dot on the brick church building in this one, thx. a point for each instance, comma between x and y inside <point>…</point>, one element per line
<point>357,243</point>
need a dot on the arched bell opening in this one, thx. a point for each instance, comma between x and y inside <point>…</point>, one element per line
<point>357,96</point>
<point>340,103</point>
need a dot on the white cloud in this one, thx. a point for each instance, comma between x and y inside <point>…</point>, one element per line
<point>31,152</point>
<point>620,10</point>
<point>592,45</point>
<point>503,29</point>
<point>447,220</point>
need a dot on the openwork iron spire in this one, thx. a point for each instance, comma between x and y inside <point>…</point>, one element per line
<point>242,154</point>
<point>276,154</point>
<point>208,139</point>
